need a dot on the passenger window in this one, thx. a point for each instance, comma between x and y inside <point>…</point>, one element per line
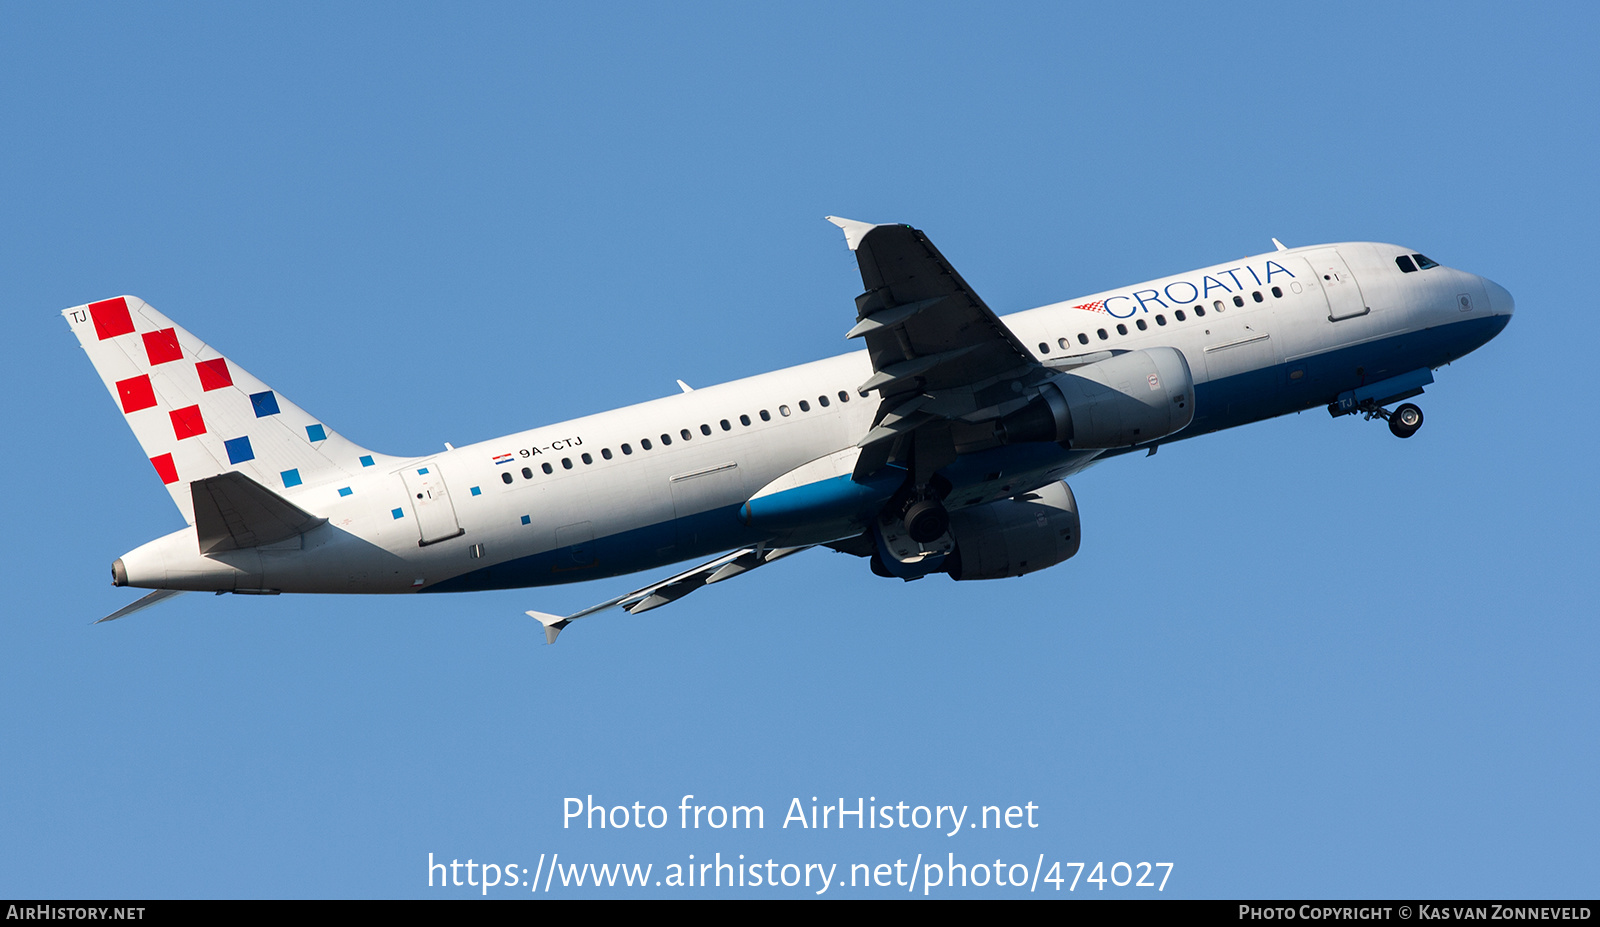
<point>566,463</point>
<point>1064,343</point>
<point>666,440</point>
<point>1258,297</point>
<point>1217,305</point>
<point>587,459</point>
<point>1277,293</point>
<point>822,401</point>
<point>1200,311</point>
<point>1141,324</point>
<point>644,443</point>
<point>547,468</point>
<point>705,429</point>
<point>725,425</point>
<point>783,411</point>
<point>1424,263</point>
<point>1178,315</point>
<point>505,477</point>
<point>1122,329</point>
<point>766,416</point>
<point>1102,333</point>
<point>605,452</point>
<point>626,450</point>
<point>1082,338</point>
<point>844,396</point>
<point>1162,320</point>
<point>805,406</point>
<point>685,433</point>
<point>527,474</point>
<point>744,420</point>
<point>1044,347</point>
<point>1238,300</point>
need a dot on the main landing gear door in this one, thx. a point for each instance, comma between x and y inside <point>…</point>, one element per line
<point>1338,284</point>
<point>430,500</point>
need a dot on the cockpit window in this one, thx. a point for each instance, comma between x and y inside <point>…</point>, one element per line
<point>1424,263</point>
<point>1406,266</point>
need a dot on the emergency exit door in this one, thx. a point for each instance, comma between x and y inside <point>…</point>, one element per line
<point>430,502</point>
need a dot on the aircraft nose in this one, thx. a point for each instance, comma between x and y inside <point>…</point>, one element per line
<point>1500,301</point>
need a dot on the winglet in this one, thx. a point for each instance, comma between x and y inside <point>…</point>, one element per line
<point>552,625</point>
<point>853,231</point>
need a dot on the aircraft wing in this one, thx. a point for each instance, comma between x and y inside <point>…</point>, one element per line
<point>672,588</point>
<point>939,353</point>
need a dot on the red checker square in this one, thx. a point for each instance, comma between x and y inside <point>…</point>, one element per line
<point>186,422</point>
<point>165,468</point>
<point>162,346</point>
<point>214,374</point>
<point>136,393</point>
<point>111,318</point>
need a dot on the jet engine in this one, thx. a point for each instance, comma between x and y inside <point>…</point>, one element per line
<point>1132,398</point>
<point>1014,536</point>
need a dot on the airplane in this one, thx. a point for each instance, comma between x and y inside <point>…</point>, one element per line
<point>942,448</point>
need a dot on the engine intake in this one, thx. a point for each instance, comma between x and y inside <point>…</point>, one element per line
<point>1015,536</point>
<point>1129,399</point>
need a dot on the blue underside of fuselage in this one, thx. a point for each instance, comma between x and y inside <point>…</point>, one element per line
<point>1225,403</point>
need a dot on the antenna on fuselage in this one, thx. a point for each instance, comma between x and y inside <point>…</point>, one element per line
<point>1279,245</point>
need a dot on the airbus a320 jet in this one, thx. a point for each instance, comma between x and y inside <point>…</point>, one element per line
<point>941,448</point>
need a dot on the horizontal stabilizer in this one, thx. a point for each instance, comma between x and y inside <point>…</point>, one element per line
<point>144,602</point>
<point>233,512</point>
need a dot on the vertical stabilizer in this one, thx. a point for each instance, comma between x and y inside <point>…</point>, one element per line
<point>197,414</point>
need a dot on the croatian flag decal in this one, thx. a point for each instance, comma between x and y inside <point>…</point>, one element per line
<point>502,459</point>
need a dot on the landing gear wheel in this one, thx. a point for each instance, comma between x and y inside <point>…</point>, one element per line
<point>927,521</point>
<point>1405,420</point>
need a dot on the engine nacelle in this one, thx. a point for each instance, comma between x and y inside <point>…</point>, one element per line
<point>1012,537</point>
<point>1133,398</point>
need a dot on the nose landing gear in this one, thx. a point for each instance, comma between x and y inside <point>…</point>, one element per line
<point>1403,421</point>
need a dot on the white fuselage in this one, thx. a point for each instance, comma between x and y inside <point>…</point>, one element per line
<point>663,481</point>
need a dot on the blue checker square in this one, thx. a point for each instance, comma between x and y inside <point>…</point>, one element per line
<point>265,403</point>
<point>366,460</point>
<point>477,491</point>
<point>526,519</point>
<point>239,450</point>
<point>397,513</point>
<point>316,433</point>
<point>423,472</point>
<point>345,490</point>
<point>290,478</point>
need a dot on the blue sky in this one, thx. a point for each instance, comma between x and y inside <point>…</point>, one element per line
<point>1301,658</point>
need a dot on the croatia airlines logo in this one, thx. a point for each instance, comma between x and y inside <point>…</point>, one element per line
<point>1096,306</point>
<point>502,459</point>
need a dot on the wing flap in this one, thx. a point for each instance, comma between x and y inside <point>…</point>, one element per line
<point>930,337</point>
<point>672,588</point>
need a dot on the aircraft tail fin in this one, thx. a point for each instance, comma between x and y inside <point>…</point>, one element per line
<point>198,415</point>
